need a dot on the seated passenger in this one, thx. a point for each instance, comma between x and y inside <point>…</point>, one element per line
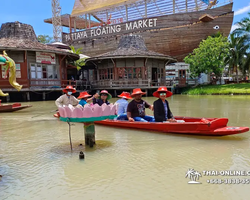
<point>67,98</point>
<point>84,98</point>
<point>122,105</point>
<point>162,110</point>
<point>136,108</point>
<point>102,98</point>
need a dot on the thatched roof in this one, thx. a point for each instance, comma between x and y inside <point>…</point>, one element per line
<point>132,47</point>
<point>19,36</point>
<point>25,44</point>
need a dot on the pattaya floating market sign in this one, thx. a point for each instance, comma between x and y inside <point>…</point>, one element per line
<point>110,29</point>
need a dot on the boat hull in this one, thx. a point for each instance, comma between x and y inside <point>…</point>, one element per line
<point>175,35</point>
<point>194,126</point>
<point>13,107</point>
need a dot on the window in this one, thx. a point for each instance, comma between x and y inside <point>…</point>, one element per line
<point>39,71</point>
<point>33,71</point>
<point>43,71</point>
<point>106,74</point>
<point>50,71</point>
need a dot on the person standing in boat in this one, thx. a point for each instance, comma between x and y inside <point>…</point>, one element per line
<point>67,98</point>
<point>84,98</point>
<point>102,98</point>
<point>122,105</point>
<point>162,110</point>
<point>136,108</point>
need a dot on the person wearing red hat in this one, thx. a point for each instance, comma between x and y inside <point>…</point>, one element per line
<point>162,110</point>
<point>122,105</point>
<point>136,108</point>
<point>67,98</point>
<point>102,98</point>
<point>84,98</point>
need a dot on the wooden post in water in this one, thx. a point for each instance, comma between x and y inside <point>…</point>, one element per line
<point>70,135</point>
<point>89,133</point>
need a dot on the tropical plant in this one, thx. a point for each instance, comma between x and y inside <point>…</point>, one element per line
<point>237,57</point>
<point>243,28</point>
<point>208,57</point>
<point>80,62</point>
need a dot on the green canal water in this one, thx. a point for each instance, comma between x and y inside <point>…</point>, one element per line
<point>36,161</point>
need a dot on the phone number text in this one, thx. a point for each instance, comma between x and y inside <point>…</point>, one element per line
<point>229,181</point>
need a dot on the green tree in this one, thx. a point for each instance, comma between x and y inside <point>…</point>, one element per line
<point>237,57</point>
<point>208,57</point>
<point>244,28</point>
<point>44,39</point>
<point>81,62</point>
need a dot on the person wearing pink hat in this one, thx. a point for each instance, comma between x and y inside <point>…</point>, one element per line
<point>67,98</point>
<point>136,108</point>
<point>162,112</point>
<point>84,98</point>
<point>102,98</point>
<point>122,105</point>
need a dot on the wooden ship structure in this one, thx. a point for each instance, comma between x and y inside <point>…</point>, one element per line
<point>170,27</point>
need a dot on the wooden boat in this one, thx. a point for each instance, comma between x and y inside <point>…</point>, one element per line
<point>185,125</point>
<point>12,107</point>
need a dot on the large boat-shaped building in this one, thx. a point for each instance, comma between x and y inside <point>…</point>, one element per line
<point>170,27</point>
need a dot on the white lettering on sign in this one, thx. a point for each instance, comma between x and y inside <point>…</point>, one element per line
<point>109,29</point>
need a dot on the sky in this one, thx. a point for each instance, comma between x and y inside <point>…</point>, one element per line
<point>34,12</point>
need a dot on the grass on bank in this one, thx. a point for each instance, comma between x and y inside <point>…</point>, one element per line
<point>241,88</point>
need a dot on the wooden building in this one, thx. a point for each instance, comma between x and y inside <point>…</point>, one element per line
<point>39,67</point>
<point>130,65</point>
<point>170,27</point>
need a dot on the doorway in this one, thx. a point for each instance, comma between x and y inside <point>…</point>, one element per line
<point>154,76</point>
<point>182,77</point>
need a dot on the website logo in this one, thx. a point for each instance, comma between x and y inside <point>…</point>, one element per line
<point>193,176</point>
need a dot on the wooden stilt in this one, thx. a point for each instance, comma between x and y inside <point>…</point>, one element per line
<point>44,96</point>
<point>28,96</point>
<point>89,133</point>
<point>8,98</point>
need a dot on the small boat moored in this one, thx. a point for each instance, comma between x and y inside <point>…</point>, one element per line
<point>184,125</point>
<point>12,107</point>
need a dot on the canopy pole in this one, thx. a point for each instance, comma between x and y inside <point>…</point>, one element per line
<point>107,17</point>
<point>89,21</point>
<point>86,21</point>
<point>173,6</point>
<point>126,13</point>
<point>74,24</point>
<point>146,11</point>
<point>196,5</point>
<point>186,5</point>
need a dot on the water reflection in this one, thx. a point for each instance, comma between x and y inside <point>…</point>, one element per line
<point>37,163</point>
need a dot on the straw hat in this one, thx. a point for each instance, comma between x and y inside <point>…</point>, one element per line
<point>125,95</point>
<point>162,90</point>
<point>83,95</point>
<point>69,87</point>
<point>137,91</point>
<point>105,92</point>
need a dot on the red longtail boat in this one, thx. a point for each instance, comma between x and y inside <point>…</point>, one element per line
<point>184,125</point>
